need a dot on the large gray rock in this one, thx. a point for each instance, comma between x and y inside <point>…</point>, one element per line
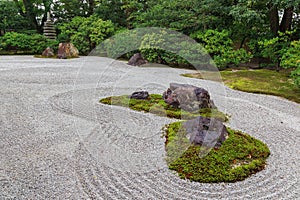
<point>67,50</point>
<point>137,60</point>
<point>208,132</point>
<point>188,97</point>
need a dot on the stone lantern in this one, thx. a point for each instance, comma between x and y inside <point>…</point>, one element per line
<point>49,30</point>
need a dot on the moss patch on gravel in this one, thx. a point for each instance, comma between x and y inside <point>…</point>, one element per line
<point>239,156</point>
<point>156,105</point>
<point>53,57</point>
<point>260,81</point>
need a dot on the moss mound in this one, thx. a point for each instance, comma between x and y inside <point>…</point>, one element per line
<point>239,156</point>
<point>156,105</point>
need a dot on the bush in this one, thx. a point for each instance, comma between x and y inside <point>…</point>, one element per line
<point>86,33</point>
<point>220,47</point>
<point>31,44</point>
<point>174,49</point>
<point>291,59</point>
<point>159,46</point>
<point>153,49</point>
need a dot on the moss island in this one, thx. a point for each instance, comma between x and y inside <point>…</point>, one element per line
<point>239,156</point>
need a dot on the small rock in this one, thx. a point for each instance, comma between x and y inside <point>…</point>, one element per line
<point>140,95</point>
<point>48,52</point>
<point>137,60</point>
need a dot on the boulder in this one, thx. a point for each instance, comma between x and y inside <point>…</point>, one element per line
<point>140,95</point>
<point>188,97</point>
<point>48,52</point>
<point>67,50</point>
<point>207,132</point>
<point>137,60</point>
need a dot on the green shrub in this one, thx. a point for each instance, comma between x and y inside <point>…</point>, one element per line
<point>31,44</point>
<point>275,47</point>
<point>291,59</point>
<point>124,44</point>
<point>220,47</point>
<point>86,33</point>
<point>158,46</point>
<point>172,48</point>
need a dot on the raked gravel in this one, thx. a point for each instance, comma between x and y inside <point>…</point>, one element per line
<point>58,142</point>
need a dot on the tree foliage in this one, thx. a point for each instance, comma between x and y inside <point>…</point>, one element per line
<point>65,10</point>
<point>291,59</point>
<point>34,11</point>
<point>10,18</point>
<point>87,32</point>
<point>219,45</point>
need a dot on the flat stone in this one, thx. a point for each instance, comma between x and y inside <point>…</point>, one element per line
<point>140,95</point>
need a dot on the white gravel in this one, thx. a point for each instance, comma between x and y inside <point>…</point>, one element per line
<point>58,142</point>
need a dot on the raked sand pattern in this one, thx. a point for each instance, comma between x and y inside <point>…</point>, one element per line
<point>58,142</point>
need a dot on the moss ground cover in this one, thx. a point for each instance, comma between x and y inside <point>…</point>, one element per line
<point>239,156</point>
<point>156,105</point>
<point>261,81</point>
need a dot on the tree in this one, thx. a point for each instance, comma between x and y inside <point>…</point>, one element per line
<point>65,10</point>
<point>121,12</point>
<point>185,16</point>
<point>10,18</point>
<point>34,11</point>
<point>277,14</point>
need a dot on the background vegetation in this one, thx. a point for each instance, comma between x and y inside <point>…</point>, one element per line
<point>233,32</point>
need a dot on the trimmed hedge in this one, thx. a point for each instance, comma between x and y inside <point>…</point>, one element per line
<point>24,43</point>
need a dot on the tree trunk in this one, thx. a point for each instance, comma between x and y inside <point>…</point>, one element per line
<point>243,41</point>
<point>274,19</point>
<point>91,7</point>
<point>286,22</point>
<point>31,16</point>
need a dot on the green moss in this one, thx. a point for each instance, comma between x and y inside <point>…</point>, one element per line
<point>261,81</point>
<point>55,56</point>
<point>156,105</point>
<point>239,156</point>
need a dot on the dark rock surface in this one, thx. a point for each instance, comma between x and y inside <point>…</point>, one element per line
<point>67,50</point>
<point>140,95</point>
<point>137,60</point>
<point>208,132</point>
<point>188,97</point>
<point>48,52</point>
